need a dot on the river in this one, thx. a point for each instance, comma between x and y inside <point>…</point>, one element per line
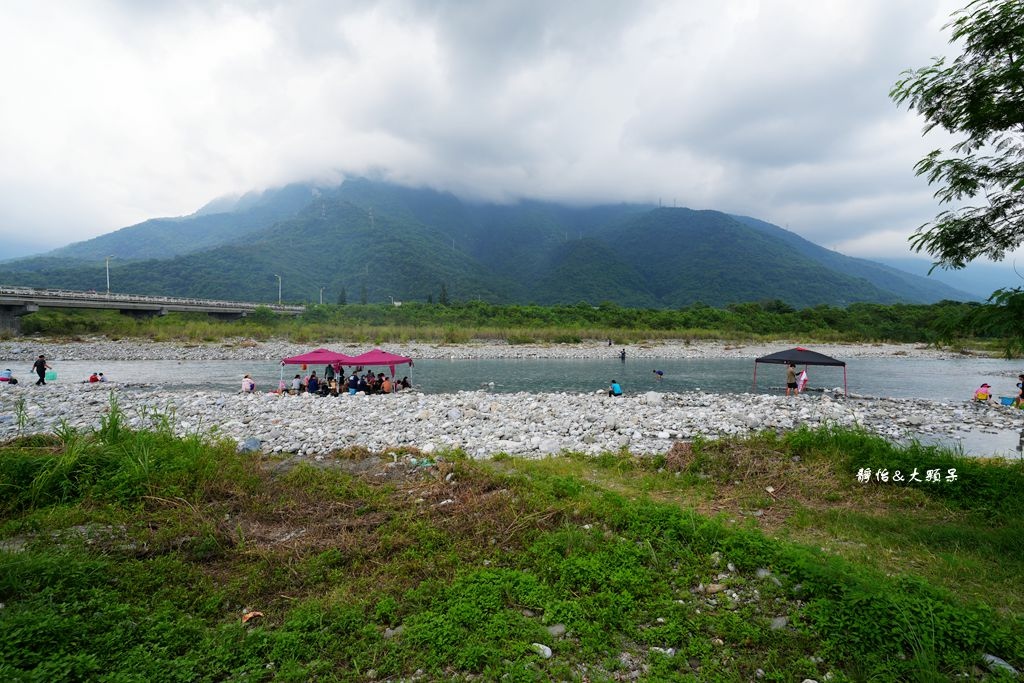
<point>951,380</point>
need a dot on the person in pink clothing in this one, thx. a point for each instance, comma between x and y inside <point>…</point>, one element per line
<point>983,393</point>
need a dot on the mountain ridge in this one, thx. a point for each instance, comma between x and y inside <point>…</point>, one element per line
<point>389,241</point>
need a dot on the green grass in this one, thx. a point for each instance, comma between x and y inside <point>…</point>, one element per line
<point>132,555</point>
<point>462,322</point>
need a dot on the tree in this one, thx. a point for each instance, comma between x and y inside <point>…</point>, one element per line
<point>342,297</point>
<point>980,96</point>
<point>443,296</point>
<point>362,294</point>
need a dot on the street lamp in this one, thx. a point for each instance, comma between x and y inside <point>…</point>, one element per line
<point>321,296</point>
<point>107,259</point>
<point>278,288</point>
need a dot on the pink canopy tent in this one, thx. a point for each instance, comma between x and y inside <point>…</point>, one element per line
<point>378,357</point>
<point>316,357</point>
<point>319,357</point>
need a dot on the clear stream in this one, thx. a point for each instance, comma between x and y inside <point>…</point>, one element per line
<point>942,380</point>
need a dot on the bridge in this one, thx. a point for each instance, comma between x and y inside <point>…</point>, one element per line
<point>18,301</point>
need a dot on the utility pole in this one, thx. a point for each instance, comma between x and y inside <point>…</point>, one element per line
<point>321,296</point>
<point>278,288</point>
<point>107,259</point>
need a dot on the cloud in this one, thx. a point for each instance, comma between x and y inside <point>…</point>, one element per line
<point>122,111</point>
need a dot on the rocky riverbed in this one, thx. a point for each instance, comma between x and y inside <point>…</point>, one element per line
<point>98,348</point>
<point>482,423</point>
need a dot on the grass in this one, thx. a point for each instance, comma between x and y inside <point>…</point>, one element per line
<point>134,555</point>
<point>464,323</point>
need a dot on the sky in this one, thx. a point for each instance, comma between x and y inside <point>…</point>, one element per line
<point>115,112</point>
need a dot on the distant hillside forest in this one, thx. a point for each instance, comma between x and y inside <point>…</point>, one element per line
<point>943,322</point>
<point>370,242</point>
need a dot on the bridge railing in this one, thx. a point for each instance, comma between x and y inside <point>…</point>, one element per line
<point>49,293</point>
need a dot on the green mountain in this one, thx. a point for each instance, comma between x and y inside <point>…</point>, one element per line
<point>392,242</point>
<point>219,222</point>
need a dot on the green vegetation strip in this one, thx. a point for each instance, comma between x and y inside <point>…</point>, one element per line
<point>133,555</point>
<point>944,322</point>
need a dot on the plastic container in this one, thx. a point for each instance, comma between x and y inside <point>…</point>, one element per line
<point>1006,400</point>
<point>50,375</point>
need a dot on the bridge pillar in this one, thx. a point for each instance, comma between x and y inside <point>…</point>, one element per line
<point>10,317</point>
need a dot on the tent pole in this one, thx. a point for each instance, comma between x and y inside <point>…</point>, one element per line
<point>754,389</point>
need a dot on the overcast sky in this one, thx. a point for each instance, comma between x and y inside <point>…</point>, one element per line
<point>114,112</point>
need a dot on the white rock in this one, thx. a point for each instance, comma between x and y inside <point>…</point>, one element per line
<point>542,649</point>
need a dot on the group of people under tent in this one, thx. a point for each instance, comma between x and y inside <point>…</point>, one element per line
<point>330,383</point>
<point>984,393</point>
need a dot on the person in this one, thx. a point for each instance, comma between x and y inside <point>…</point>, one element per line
<point>406,384</point>
<point>248,385</point>
<point>93,378</point>
<point>615,389</point>
<point>791,384</point>
<point>658,374</point>
<point>622,355</point>
<point>983,393</point>
<point>362,386</point>
<point>40,367</point>
<point>313,384</point>
<point>1019,401</point>
<point>328,373</point>
<point>8,376</point>
<point>102,378</point>
<point>353,384</point>
<point>385,386</point>
<point>297,385</point>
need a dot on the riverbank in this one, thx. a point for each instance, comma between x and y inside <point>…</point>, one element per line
<point>99,348</point>
<point>138,554</point>
<point>483,424</point>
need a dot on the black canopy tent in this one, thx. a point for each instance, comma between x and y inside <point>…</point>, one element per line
<point>800,356</point>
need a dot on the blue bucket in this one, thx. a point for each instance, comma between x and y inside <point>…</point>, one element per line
<point>1005,400</point>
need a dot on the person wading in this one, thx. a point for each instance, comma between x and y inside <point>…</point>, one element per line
<point>40,367</point>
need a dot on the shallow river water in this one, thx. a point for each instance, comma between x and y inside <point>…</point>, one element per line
<point>951,380</point>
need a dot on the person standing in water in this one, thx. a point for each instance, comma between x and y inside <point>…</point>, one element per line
<point>40,367</point>
<point>622,355</point>
<point>791,384</point>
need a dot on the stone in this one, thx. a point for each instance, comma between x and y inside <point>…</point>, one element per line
<point>250,445</point>
<point>995,664</point>
<point>667,651</point>
<point>542,649</point>
<point>548,446</point>
<point>392,632</point>
<point>779,623</point>
<point>557,630</point>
